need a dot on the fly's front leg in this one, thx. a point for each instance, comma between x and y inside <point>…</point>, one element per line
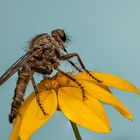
<point>37,93</point>
<point>74,65</point>
<point>69,56</point>
<point>74,80</point>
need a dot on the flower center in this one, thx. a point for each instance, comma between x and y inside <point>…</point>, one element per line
<point>54,82</point>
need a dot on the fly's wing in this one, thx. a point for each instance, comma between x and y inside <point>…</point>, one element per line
<point>17,65</point>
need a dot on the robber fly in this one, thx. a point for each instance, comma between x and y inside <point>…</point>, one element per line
<point>43,56</point>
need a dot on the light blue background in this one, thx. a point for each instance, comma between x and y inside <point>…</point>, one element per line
<point>106,34</point>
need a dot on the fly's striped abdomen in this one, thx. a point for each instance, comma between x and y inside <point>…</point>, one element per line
<point>22,82</point>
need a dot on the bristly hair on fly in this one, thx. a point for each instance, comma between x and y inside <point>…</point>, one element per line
<point>27,47</point>
<point>68,38</point>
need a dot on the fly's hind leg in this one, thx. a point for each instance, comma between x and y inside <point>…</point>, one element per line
<point>69,56</point>
<point>37,94</point>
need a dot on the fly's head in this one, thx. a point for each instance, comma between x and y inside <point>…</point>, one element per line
<point>61,37</point>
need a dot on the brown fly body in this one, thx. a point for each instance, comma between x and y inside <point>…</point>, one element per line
<point>44,55</point>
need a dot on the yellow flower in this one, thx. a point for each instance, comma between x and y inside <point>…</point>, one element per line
<point>61,93</point>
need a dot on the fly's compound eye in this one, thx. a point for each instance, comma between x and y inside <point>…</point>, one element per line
<point>60,33</point>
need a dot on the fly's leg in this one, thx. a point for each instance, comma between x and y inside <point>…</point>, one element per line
<point>69,56</point>
<point>37,94</point>
<point>74,80</point>
<point>74,65</point>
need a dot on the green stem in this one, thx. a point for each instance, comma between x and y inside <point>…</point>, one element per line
<point>75,130</point>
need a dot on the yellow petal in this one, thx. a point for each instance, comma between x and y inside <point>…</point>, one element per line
<point>97,108</point>
<point>32,117</point>
<point>111,81</point>
<point>85,76</point>
<point>72,105</point>
<point>116,82</point>
<point>16,127</point>
<point>17,121</point>
<point>105,96</point>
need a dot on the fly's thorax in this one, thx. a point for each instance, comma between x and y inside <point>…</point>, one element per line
<point>51,45</point>
<point>40,40</point>
<point>50,53</point>
<point>46,40</point>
